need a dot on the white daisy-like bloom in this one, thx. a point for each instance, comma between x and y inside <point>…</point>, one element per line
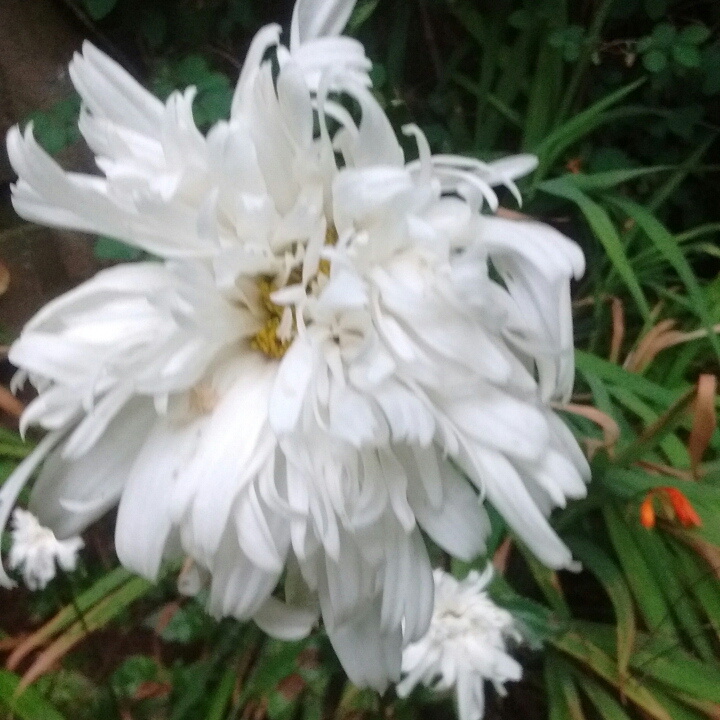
<point>465,645</point>
<point>35,550</point>
<point>321,363</point>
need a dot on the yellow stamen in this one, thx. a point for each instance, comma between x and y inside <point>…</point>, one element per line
<point>331,235</point>
<point>266,339</point>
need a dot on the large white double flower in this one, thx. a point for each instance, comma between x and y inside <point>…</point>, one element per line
<point>304,380</point>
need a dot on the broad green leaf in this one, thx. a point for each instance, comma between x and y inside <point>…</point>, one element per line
<point>654,60</point>
<point>611,578</point>
<point>686,55</point>
<point>605,231</point>
<point>694,34</point>
<point>664,34</point>
<point>29,705</point>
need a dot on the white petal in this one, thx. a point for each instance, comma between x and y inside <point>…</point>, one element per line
<point>285,622</point>
<point>460,525</point>
<point>318,18</point>
<point>68,496</point>
<point>506,491</point>
<point>288,392</point>
<point>370,657</point>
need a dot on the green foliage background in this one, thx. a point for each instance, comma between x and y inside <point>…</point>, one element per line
<point>619,100</point>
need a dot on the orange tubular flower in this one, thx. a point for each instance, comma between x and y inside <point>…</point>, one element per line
<point>673,502</point>
<point>647,512</point>
<point>683,509</point>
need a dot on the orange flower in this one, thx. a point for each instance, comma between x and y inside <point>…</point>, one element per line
<point>647,512</point>
<point>673,502</point>
<point>683,509</point>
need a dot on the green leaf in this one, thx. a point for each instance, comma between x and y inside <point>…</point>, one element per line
<point>107,248</point>
<point>563,698</point>
<point>611,578</point>
<point>556,142</point>
<point>547,582</point>
<point>361,14</point>
<point>538,622</point>
<point>669,248</point>
<point>133,672</point>
<point>664,35</point>
<point>700,581</point>
<point>222,695</point>
<point>612,178</point>
<point>663,660</point>
<point>608,707</point>
<point>668,574</point>
<point>659,429</point>
<point>98,9</point>
<point>654,61</point>
<point>632,382</point>
<point>694,34</point>
<point>686,55</point>
<point>645,590</point>
<point>188,624</point>
<point>579,647</point>
<point>543,96</point>
<point>605,231</point>
<point>29,705</point>
<point>643,44</point>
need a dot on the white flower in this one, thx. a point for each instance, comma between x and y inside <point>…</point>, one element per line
<point>293,390</point>
<point>35,550</point>
<point>464,646</point>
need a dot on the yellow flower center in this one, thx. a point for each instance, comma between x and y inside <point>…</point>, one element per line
<point>266,339</point>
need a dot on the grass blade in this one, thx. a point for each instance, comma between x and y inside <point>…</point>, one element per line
<point>663,240</point>
<point>611,578</point>
<point>605,231</point>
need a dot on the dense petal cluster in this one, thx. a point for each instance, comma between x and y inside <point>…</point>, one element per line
<point>335,350</point>
<point>35,550</point>
<point>465,645</point>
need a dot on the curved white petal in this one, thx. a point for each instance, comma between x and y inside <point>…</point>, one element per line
<point>69,495</point>
<point>317,18</point>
